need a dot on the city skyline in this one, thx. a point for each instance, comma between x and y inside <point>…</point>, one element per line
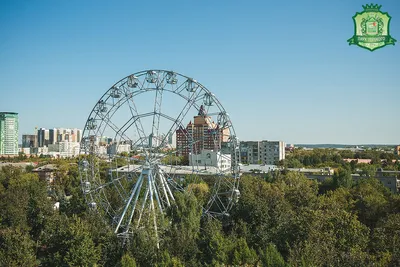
<point>283,71</point>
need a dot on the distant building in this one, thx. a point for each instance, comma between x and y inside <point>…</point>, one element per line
<point>209,158</point>
<point>249,152</point>
<point>262,152</point>
<point>366,161</point>
<point>117,148</point>
<point>56,142</point>
<point>289,148</point>
<point>26,150</point>
<point>9,133</point>
<point>202,134</point>
<point>69,149</point>
<point>46,173</point>
<point>271,152</point>
<point>29,140</point>
<point>43,136</point>
<point>397,150</point>
<point>171,140</point>
<point>52,136</point>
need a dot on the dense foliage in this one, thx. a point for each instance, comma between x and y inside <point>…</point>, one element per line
<point>282,219</point>
<point>335,158</point>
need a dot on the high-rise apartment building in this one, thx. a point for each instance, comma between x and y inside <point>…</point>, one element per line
<point>8,133</point>
<point>43,136</point>
<point>52,136</point>
<point>202,134</point>
<point>29,140</point>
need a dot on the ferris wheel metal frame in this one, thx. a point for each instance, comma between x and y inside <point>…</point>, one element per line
<point>145,185</point>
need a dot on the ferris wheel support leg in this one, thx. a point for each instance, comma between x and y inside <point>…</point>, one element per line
<point>163,187</point>
<point>142,208</point>
<point>134,205</point>
<point>156,193</point>
<point>153,212</point>
<point>129,202</point>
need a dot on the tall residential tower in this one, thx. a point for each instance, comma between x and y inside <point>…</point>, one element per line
<point>8,133</point>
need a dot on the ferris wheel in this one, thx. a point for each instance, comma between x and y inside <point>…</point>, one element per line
<point>152,134</point>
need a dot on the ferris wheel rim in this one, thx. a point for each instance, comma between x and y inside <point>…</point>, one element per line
<point>144,72</point>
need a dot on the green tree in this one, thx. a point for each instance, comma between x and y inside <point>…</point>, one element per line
<point>68,243</point>
<point>342,178</point>
<point>16,248</point>
<point>367,169</point>
<point>127,261</point>
<point>142,245</point>
<point>371,201</point>
<point>386,241</point>
<point>182,234</point>
<point>279,212</point>
<point>271,257</point>
<point>168,261</point>
<point>242,254</point>
<point>213,244</point>
<point>340,238</point>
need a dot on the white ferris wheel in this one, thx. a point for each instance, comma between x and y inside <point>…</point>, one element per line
<point>152,134</point>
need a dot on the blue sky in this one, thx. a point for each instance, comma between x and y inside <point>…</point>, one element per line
<point>282,69</point>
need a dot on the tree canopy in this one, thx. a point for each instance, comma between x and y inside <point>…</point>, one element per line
<point>282,219</point>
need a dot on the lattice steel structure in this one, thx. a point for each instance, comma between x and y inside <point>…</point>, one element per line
<point>131,167</point>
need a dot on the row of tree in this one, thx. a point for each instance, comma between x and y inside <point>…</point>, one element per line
<point>284,220</point>
<point>335,158</point>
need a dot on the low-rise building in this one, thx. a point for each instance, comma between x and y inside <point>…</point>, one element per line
<point>46,172</point>
<point>208,158</point>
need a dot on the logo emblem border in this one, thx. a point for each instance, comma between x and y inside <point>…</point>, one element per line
<point>388,40</point>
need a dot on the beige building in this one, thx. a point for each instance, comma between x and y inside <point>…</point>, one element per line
<point>202,134</point>
<point>397,150</point>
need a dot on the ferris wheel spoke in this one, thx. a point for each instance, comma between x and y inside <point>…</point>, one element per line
<point>179,89</point>
<point>109,113</point>
<point>137,121</point>
<point>104,185</point>
<point>156,116</point>
<point>155,190</point>
<point>182,115</point>
<point>115,128</point>
<point>165,187</point>
<point>220,203</point>
<point>142,207</point>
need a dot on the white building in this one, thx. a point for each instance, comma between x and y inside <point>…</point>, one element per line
<point>211,159</point>
<point>171,140</point>
<point>69,149</point>
<point>262,152</point>
<point>26,150</point>
<point>271,152</point>
<point>116,148</point>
